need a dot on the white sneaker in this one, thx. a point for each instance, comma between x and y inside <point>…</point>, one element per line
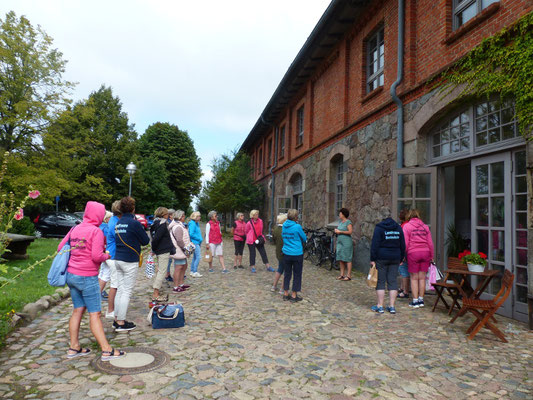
<point>110,315</point>
<point>273,289</point>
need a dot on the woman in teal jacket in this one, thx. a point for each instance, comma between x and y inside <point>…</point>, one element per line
<point>293,255</point>
<point>196,237</point>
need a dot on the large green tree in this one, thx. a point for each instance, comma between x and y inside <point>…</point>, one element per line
<point>232,187</point>
<point>175,150</point>
<point>31,85</point>
<point>91,143</point>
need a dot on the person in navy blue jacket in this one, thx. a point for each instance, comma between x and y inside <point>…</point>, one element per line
<point>386,253</point>
<point>129,237</point>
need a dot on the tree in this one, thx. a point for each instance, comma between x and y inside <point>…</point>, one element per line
<point>31,85</point>
<point>175,149</point>
<point>90,144</point>
<point>232,187</point>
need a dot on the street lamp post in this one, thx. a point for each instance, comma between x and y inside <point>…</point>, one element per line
<point>131,168</point>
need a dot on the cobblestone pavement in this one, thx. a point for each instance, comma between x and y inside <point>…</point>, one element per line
<point>241,341</point>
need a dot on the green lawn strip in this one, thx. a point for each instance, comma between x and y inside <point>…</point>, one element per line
<point>28,287</point>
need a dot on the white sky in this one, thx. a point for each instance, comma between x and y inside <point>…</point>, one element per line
<point>209,66</point>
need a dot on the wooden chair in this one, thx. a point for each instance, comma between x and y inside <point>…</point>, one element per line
<point>485,309</point>
<point>449,285</point>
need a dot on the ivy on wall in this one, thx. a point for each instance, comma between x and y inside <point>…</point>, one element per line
<point>501,64</point>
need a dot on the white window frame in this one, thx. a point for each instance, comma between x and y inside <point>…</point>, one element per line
<point>376,76</point>
<point>282,142</point>
<point>300,126</point>
<point>461,5</point>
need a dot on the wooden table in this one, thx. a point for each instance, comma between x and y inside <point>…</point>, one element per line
<point>465,289</point>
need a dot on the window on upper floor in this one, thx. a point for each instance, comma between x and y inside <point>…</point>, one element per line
<point>269,159</point>
<point>300,126</point>
<point>485,125</point>
<point>375,59</point>
<point>465,10</point>
<point>282,142</point>
<point>260,161</point>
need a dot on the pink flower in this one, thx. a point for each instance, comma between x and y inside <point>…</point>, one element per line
<point>19,214</point>
<point>34,194</point>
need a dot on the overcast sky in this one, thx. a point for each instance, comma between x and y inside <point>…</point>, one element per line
<point>209,66</point>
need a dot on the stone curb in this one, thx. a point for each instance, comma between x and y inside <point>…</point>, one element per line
<point>32,310</point>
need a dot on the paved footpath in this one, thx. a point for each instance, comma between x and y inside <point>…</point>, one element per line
<point>241,341</point>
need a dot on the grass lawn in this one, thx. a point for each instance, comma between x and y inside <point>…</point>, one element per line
<point>28,287</point>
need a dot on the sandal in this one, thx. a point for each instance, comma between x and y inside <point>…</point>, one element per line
<point>111,355</point>
<point>346,278</point>
<point>340,278</point>
<point>83,351</point>
<point>160,299</point>
<point>403,295</point>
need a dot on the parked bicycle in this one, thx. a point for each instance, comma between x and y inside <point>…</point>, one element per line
<point>320,247</point>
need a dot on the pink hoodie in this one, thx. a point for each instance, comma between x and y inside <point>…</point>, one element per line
<point>417,237</point>
<point>89,242</point>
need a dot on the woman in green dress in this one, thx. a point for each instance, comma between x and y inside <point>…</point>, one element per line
<point>344,245</point>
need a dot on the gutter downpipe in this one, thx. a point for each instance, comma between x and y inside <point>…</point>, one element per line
<point>395,98</point>
<point>273,177</point>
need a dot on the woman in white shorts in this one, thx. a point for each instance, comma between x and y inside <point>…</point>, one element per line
<point>213,240</point>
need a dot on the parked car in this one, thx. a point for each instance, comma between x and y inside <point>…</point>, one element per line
<point>142,219</point>
<point>79,214</point>
<point>55,224</point>
<point>150,220</point>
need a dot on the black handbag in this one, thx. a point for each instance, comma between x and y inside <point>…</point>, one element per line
<point>260,239</point>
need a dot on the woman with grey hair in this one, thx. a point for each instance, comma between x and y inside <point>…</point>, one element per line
<point>213,240</point>
<point>162,247</point>
<point>239,237</point>
<point>170,218</point>
<point>180,238</point>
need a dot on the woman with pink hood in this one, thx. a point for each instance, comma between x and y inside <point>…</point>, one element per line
<point>420,253</point>
<point>87,244</point>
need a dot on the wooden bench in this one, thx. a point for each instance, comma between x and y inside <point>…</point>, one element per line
<point>449,285</point>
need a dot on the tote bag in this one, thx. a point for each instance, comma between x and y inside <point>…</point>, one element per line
<point>372,278</point>
<point>57,276</point>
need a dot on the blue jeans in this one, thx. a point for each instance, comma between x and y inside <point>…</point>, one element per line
<point>85,292</point>
<point>196,258</point>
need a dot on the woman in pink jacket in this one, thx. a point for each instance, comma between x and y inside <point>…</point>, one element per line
<point>420,253</point>
<point>87,244</point>
<point>254,231</point>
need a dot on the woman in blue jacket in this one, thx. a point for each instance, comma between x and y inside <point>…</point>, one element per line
<point>293,255</point>
<point>196,237</point>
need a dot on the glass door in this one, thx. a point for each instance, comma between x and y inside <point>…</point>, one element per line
<point>491,222</point>
<point>416,188</point>
<point>520,235</point>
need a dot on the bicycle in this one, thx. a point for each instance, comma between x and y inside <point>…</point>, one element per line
<point>312,250</point>
<point>328,250</point>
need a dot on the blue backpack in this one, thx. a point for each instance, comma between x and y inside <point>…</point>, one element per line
<point>57,276</point>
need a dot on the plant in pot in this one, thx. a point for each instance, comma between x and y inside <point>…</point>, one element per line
<point>476,262</point>
<point>455,242</point>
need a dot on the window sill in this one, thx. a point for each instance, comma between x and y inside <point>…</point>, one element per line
<point>372,94</point>
<point>299,145</point>
<point>478,19</point>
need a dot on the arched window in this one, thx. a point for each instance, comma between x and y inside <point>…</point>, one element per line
<point>485,126</point>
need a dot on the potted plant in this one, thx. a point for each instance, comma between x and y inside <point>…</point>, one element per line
<point>476,262</point>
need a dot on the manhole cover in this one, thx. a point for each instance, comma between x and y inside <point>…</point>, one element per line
<point>136,361</point>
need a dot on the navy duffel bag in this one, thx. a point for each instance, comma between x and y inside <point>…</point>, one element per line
<point>167,316</point>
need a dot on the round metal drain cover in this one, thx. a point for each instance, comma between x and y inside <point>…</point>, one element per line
<point>136,361</point>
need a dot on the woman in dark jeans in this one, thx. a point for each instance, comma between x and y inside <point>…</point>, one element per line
<point>386,253</point>
<point>293,255</point>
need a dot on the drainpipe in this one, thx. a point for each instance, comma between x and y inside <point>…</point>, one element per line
<point>395,98</point>
<point>273,177</point>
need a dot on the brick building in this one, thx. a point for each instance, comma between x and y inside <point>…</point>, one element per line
<point>328,137</point>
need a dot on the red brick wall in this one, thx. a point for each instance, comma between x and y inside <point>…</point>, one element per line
<point>335,98</point>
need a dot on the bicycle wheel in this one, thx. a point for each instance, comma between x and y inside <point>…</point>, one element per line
<point>333,263</point>
<point>308,249</point>
<point>315,255</point>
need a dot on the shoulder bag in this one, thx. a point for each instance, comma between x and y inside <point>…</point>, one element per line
<point>57,276</point>
<point>372,278</point>
<point>136,252</point>
<point>166,316</point>
<point>260,240</point>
